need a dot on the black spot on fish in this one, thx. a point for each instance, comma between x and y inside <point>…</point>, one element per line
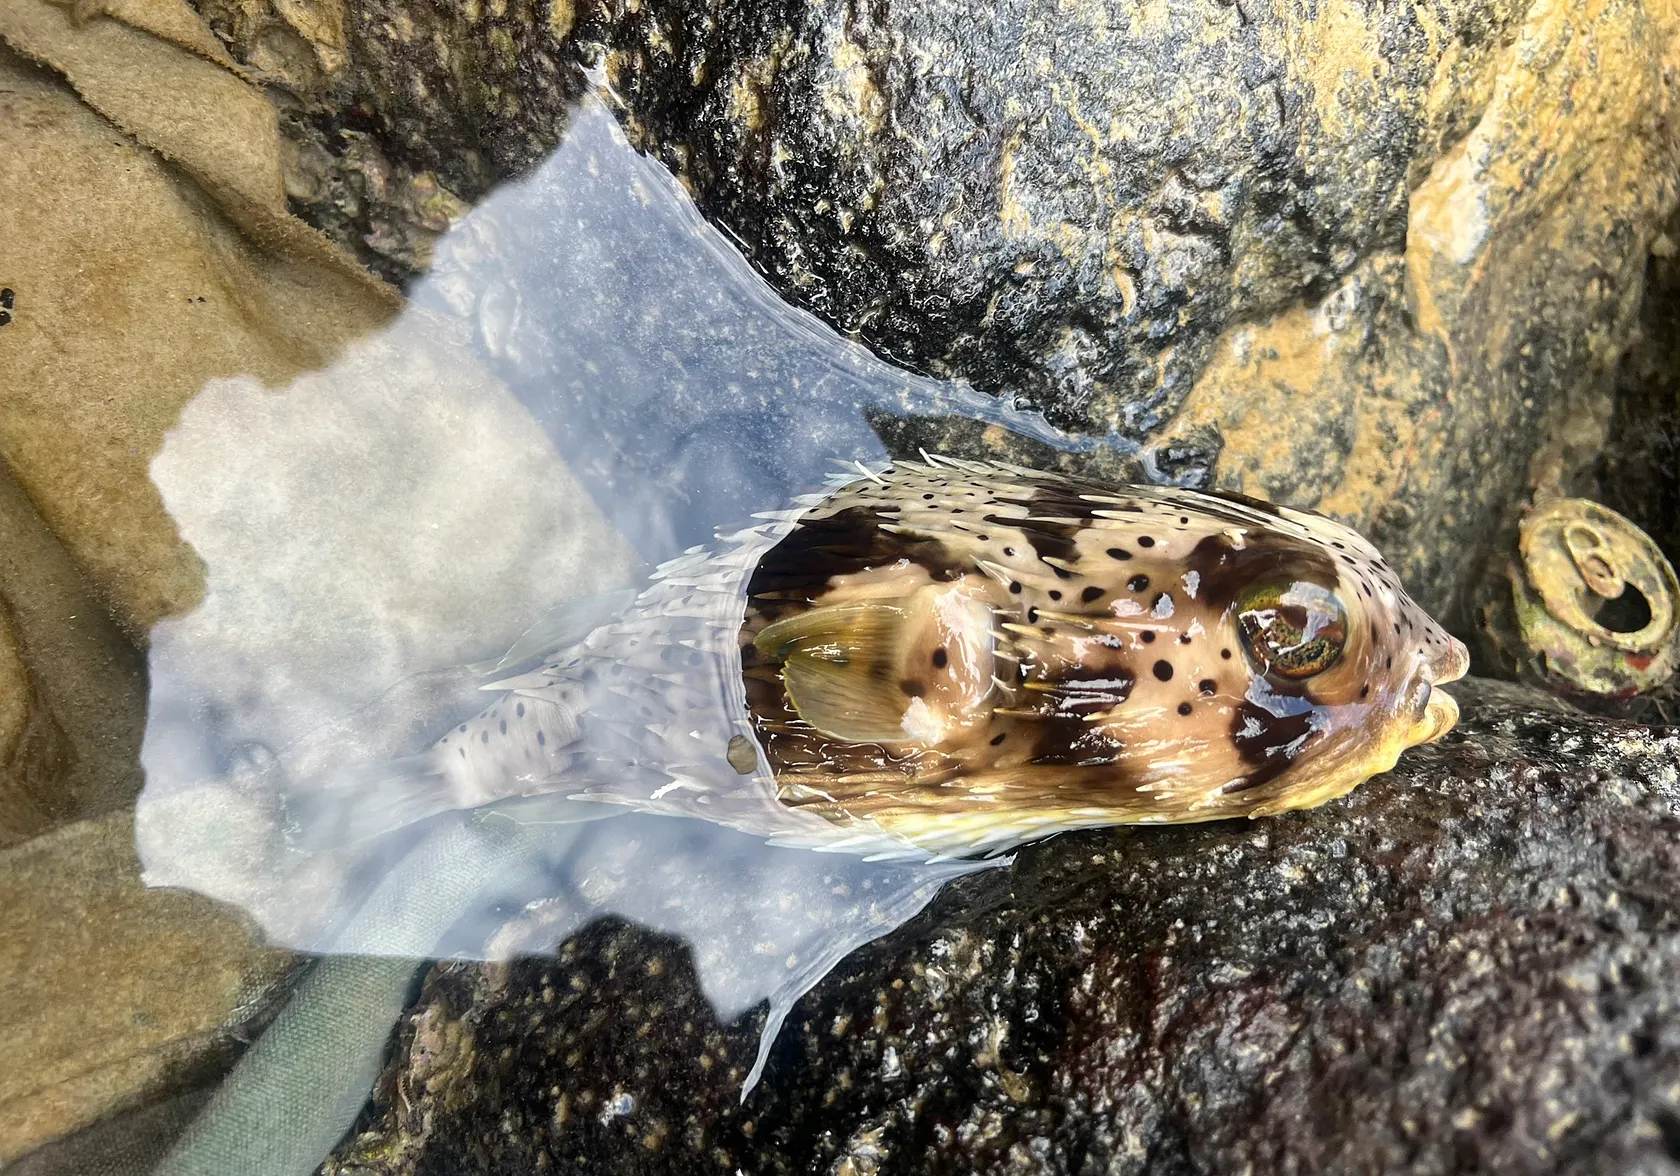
<point>1145,541</point>
<point>1015,586</point>
<point>940,658</point>
<point>541,739</point>
<point>520,710</point>
<point>1164,670</point>
<point>1055,595</point>
<point>504,726</point>
<point>1119,553</point>
<point>485,737</point>
<point>912,688</point>
<point>997,739</point>
<point>1147,636</point>
<point>1184,708</point>
<point>1138,583</point>
<point>1092,593</point>
<point>1207,686</point>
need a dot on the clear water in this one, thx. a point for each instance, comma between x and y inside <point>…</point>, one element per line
<point>589,382</point>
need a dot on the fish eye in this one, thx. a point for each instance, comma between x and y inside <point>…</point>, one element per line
<point>1291,631</point>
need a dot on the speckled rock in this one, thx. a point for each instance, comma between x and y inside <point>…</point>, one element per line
<point>397,116</point>
<point>1067,202</point>
<point>1469,964</point>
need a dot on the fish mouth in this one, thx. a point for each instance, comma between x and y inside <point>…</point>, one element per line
<point>1438,713</point>
<point>1439,716</point>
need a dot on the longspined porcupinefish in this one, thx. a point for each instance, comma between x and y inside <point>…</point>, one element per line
<point>954,657</point>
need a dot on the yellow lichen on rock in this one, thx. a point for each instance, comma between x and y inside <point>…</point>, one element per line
<point>1378,404</point>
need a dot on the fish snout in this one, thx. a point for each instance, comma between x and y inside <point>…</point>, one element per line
<point>1440,715</point>
<point>1452,663</point>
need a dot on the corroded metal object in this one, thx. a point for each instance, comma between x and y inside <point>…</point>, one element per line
<point>1588,607</point>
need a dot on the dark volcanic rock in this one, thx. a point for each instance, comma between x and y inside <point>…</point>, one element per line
<point>1472,963</point>
<point>1063,201</point>
<point>1640,471</point>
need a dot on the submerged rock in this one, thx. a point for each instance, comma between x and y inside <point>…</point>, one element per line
<point>114,996</point>
<point>1469,963</point>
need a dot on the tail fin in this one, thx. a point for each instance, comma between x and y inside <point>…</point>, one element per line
<point>367,801</point>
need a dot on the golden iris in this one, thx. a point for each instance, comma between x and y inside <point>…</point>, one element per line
<point>1292,631</point>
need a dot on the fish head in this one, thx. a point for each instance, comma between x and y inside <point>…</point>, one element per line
<point>1343,665</point>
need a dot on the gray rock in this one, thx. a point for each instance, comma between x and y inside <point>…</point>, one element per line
<point>1469,964</point>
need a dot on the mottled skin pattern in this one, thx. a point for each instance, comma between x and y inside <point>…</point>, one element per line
<point>1107,677</point>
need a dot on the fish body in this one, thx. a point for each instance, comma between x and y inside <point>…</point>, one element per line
<point>952,658</point>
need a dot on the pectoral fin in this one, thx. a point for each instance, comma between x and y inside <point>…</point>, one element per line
<point>839,667</point>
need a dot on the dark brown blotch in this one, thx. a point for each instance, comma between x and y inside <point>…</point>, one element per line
<point>1225,570</point>
<point>1268,742</point>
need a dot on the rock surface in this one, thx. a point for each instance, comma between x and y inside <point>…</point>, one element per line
<point>1378,261</point>
<point>113,995</point>
<point>1640,471</point>
<point>159,255</point>
<point>1469,964</point>
<point>73,741</point>
<point>1330,253</point>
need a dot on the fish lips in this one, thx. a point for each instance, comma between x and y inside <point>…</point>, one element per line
<point>1439,712</point>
